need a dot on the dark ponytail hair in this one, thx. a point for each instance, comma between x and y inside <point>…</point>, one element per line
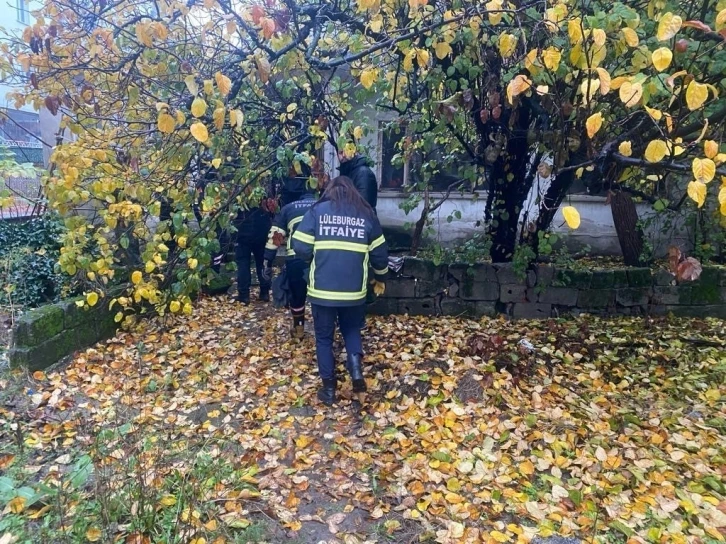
<point>341,190</point>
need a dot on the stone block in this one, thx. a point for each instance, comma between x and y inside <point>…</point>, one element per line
<point>45,354</point>
<point>479,291</point>
<point>576,279</point>
<point>422,269</point>
<point>529,310</point>
<point>640,277</point>
<point>531,280</point>
<point>602,279</point>
<point>430,288</point>
<point>416,306</point>
<point>706,310</point>
<point>713,275</point>
<point>383,306</point>
<point>658,309</point>
<point>476,272</point>
<point>620,278</point>
<point>507,274</point>
<point>513,293</point>
<point>38,326</point>
<point>595,298</point>
<point>663,277</point>
<point>545,275</point>
<point>559,296</point>
<point>457,307</point>
<point>400,288</point>
<point>633,296</point>
<point>704,291</point>
<point>485,309</point>
<point>667,294</point>
<point>73,316</point>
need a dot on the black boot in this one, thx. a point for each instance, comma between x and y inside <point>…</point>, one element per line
<point>355,368</point>
<point>326,394</point>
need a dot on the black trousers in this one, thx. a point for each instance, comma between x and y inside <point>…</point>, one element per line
<point>296,269</point>
<point>244,250</point>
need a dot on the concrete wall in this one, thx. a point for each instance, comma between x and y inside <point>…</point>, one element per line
<point>484,289</point>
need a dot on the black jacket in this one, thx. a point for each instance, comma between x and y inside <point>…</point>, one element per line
<point>253,225</point>
<point>285,223</point>
<point>364,179</point>
<point>340,244</point>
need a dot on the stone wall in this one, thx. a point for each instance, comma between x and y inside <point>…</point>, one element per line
<point>45,335</point>
<point>423,288</point>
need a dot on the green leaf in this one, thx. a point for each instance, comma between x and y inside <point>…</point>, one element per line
<point>622,528</point>
<point>81,472</point>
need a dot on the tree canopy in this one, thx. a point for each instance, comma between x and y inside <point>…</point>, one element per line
<point>521,97</point>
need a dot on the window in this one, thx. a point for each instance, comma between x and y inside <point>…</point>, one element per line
<point>394,175</point>
<point>23,12</point>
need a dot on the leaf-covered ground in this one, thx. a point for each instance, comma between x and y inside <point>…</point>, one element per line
<point>206,429</point>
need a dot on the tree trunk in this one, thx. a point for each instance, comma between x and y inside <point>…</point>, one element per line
<point>630,235</point>
<point>420,224</point>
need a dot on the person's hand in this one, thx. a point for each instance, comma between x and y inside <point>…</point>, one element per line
<point>267,271</point>
<point>379,287</point>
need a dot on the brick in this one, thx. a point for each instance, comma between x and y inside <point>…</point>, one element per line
<point>602,279</point>
<point>479,291</point>
<point>545,275</point>
<point>416,306</point>
<point>400,288</point>
<point>457,307</point>
<point>507,274</point>
<point>430,288</point>
<point>422,269</point>
<point>560,296</point>
<point>528,310</point>
<point>640,277</point>
<point>595,298</point>
<point>512,293</point>
<point>485,309</point>
<point>632,297</point>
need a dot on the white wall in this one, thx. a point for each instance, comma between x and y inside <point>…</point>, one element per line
<point>10,23</point>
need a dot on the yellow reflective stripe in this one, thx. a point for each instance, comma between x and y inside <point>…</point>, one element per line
<point>294,221</point>
<point>335,295</point>
<point>311,283</point>
<point>302,237</point>
<point>377,242</point>
<point>365,274</point>
<point>381,272</point>
<point>345,246</point>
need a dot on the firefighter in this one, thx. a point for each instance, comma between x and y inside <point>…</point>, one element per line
<point>339,237</point>
<point>252,228</point>
<point>283,227</point>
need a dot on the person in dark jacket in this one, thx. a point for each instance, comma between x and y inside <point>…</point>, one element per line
<point>283,227</point>
<point>252,228</point>
<point>363,178</point>
<point>340,236</point>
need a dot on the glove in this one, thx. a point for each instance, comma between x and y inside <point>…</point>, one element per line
<point>267,272</point>
<point>378,287</point>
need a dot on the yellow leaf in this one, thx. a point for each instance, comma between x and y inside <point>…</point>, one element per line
<point>599,37</point>
<point>721,19</point>
<point>697,192</point>
<point>526,467</point>
<point>94,534</point>
<point>136,277</point>
<point>224,84</point>
<point>191,84</point>
<point>517,86</point>
<point>452,484</point>
<point>368,77</point>
<point>168,500</point>
<point>442,50</point>
<point>662,58</point>
<point>631,37</point>
<point>216,162</point>
<point>668,26</point>
<point>199,131</point>
<point>92,298</point>
<point>704,170</point>
<point>17,505</point>
<point>572,217</point>
<point>593,124</point>
<point>605,81</point>
<point>574,30</point>
<point>499,537</point>
<point>494,18</point>
<point>696,95</point>
<point>630,93</point>
<point>552,57</point>
<point>192,263</point>
<point>656,150</point>
<point>199,107</point>
<point>710,148</point>
<point>657,115</point>
<point>358,133</point>
<point>208,87</point>
<point>507,44</point>
<point>182,241</point>
<point>422,57</point>
<point>187,308</point>
<point>531,62</point>
<point>200,540</point>
<point>165,123</point>
<point>218,117</point>
<point>263,68</point>
<point>625,148</point>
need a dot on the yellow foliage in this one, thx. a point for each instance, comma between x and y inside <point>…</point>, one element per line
<point>507,44</point>
<point>199,131</point>
<point>368,77</point>
<point>224,84</point>
<point>625,148</point>
<point>662,58</point>
<point>704,170</point>
<point>668,26</point>
<point>631,37</point>
<point>199,107</point>
<point>593,124</point>
<point>697,192</point>
<point>696,95</point>
<point>656,151</point>
<point>572,217</point>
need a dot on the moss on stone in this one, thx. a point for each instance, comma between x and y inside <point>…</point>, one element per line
<point>705,292</point>
<point>640,277</point>
<point>38,325</point>
<point>602,279</point>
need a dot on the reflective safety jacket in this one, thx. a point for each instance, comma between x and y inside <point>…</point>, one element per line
<point>340,244</point>
<point>284,225</point>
